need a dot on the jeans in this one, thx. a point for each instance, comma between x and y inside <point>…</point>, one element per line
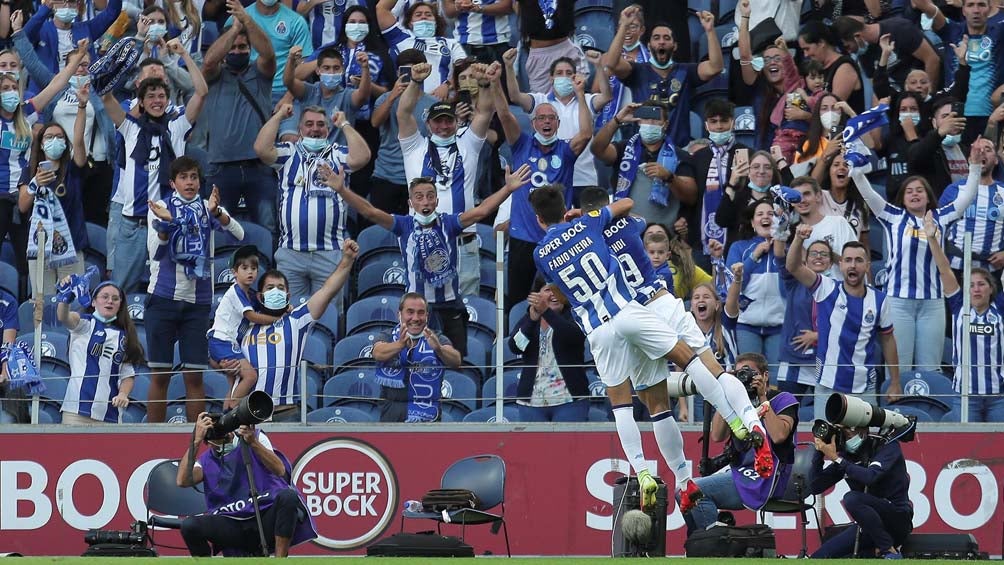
<point>306,271</point>
<point>574,411</point>
<point>754,342</point>
<point>982,408</point>
<point>719,492</point>
<point>919,327</point>
<point>882,526</point>
<point>254,181</point>
<point>823,393</point>
<point>469,269</point>
<point>127,251</point>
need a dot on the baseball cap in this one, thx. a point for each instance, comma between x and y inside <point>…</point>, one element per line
<point>442,109</point>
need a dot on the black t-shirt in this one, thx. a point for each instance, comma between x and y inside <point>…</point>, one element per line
<point>532,24</point>
<point>908,38</point>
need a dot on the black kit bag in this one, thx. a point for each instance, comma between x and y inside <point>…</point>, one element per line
<point>119,550</point>
<point>449,499</point>
<point>756,540</point>
<point>422,544</point>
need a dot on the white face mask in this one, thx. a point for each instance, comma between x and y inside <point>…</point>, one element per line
<point>227,448</point>
<point>426,219</point>
<point>829,119</point>
<point>275,299</point>
<point>415,336</point>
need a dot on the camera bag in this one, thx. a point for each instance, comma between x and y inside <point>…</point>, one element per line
<point>422,544</point>
<point>440,499</point>
<point>756,540</point>
<point>119,550</point>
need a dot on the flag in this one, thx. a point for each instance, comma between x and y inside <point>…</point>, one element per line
<point>865,122</point>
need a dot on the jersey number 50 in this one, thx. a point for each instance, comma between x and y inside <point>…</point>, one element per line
<point>594,270</point>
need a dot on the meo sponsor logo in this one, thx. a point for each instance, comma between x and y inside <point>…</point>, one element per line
<point>350,489</point>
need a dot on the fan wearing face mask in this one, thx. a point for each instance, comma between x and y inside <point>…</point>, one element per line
<point>428,243</point>
<point>329,92</point>
<point>424,29</point>
<point>878,501</point>
<point>57,27</point>
<point>552,161</point>
<point>312,218</point>
<point>940,155</point>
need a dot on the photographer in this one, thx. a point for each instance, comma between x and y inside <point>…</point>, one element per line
<point>230,525</point>
<point>878,501</point>
<point>743,487</point>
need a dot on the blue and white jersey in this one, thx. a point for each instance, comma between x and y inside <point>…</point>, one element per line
<point>440,52</point>
<point>552,167</point>
<point>849,329</point>
<point>431,256</point>
<point>230,313</point>
<point>623,236</point>
<point>14,150</point>
<point>475,28</point>
<point>575,256</point>
<point>760,304</point>
<point>8,312</point>
<point>455,176</point>
<point>311,215</point>
<point>325,19</point>
<point>136,183</point>
<point>729,347</point>
<point>276,350</point>
<point>665,273</point>
<point>986,348</point>
<point>912,271</point>
<point>984,218</point>
<point>96,351</point>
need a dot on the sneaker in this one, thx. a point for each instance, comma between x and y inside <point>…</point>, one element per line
<point>689,496</point>
<point>764,462</point>
<point>892,555</point>
<point>647,488</point>
<point>738,429</point>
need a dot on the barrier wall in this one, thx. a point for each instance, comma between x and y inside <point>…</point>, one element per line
<point>56,483</point>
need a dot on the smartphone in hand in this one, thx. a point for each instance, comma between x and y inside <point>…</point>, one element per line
<point>405,73</point>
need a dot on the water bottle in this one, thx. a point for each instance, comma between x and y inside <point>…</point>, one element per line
<point>413,506</point>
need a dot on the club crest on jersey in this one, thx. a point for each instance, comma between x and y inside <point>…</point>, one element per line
<point>869,317</point>
<point>280,28</point>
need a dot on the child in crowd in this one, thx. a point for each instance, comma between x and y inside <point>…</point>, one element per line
<point>657,247</point>
<point>800,97</point>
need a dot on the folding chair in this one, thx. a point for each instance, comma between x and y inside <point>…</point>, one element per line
<point>793,499</point>
<point>171,503</point>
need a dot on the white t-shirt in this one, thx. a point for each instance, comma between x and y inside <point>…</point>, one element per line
<point>836,231</point>
<point>230,313</point>
<point>65,114</point>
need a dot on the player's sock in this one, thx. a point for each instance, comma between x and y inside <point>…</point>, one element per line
<point>737,396</point>
<point>670,442</point>
<point>630,436</point>
<point>709,387</point>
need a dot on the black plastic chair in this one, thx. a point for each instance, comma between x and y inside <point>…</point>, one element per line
<point>172,503</point>
<point>793,500</point>
<point>484,475</point>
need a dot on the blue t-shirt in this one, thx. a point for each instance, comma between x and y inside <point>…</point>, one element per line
<point>389,164</point>
<point>339,101</point>
<point>552,167</point>
<point>284,29</point>
<point>8,311</point>
<point>985,56</point>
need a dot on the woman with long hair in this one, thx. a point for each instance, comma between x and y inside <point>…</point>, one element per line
<point>423,28</point>
<point>104,353</point>
<point>908,122</point>
<point>840,74</point>
<point>748,184</point>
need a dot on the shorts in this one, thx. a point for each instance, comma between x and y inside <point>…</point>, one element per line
<point>635,335</point>
<point>223,350</point>
<point>649,372</point>
<point>168,321</point>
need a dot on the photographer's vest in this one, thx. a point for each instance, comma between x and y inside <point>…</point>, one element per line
<point>755,490</point>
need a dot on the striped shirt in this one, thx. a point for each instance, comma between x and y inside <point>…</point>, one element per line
<point>727,358</point>
<point>986,349</point>
<point>325,19</point>
<point>309,222</point>
<point>415,149</point>
<point>984,218</point>
<point>230,313</point>
<point>438,261</point>
<point>440,52</point>
<point>624,238</point>
<point>475,28</point>
<point>96,351</point>
<point>575,256</point>
<point>276,350</point>
<point>136,183</point>
<point>849,328</point>
<point>14,151</point>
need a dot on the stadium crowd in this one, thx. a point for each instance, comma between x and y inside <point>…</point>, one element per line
<point>203,194</point>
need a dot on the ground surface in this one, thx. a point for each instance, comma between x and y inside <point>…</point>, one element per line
<point>426,560</point>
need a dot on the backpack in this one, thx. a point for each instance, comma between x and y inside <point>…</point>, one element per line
<point>756,540</point>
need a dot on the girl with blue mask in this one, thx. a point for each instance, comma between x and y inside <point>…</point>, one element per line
<point>104,351</point>
<point>422,29</point>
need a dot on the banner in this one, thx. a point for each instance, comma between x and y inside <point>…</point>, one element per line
<point>558,491</point>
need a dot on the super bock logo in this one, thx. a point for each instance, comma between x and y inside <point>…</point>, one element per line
<point>350,489</point>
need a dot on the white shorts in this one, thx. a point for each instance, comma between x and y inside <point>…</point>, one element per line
<point>648,372</point>
<point>635,335</point>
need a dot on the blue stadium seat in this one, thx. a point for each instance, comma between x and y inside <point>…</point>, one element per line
<point>140,385</point>
<point>921,414</point>
<point>370,313</point>
<point>459,388</point>
<point>598,414</point>
<point>516,313</point>
<point>476,360</point>
<point>8,278</point>
<point>329,322</point>
<point>97,240</point>
<point>928,383</point>
<point>508,357</point>
<point>489,279</point>
<point>254,234</point>
<point>509,381</point>
<point>509,414</point>
<point>223,275</point>
<point>55,374</point>
<point>597,390</point>
<point>216,386</point>
<point>341,415</point>
<point>696,126</point>
<point>356,349</point>
<point>134,413</point>
<point>696,6</point>
<point>26,316</point>
<point>44,416</point>
<point>317,350</point>
<point>351,386</point>
<point>136,304</point>
<point>482,313</point>
<point>745,126</point>
<point>453,412</point>
<point>375,237</point>
<point>951,416</point>
<point>382,279</point>
<point>52,412</point>
<point>55,342</point>
<point>377,256</point>
<point>486,240</point>
<point>726,11</point>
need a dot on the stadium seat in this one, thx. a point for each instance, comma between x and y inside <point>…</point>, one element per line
<point>351,386</point>
<point>377,256</point>
<point>97,240</point>
<point>341,415</point>
<point>909,410</point>
<point>481,313</point>
<point>216,386</point>
<point>453,412</point>
<point>458,388</point>
<point>486,240</point>
<point>8,418</point>
<point>55,373</point>
<point>696,6</point>
<point>951,416</point>
<point>329,323</point>
<point>726,11</point>
<point>136,304</point>
<point>928,383</point>
<point>52,412</point>
<point>371,313</point>
<point>516,313</point>
<point>487,415</point>
<point>26,316</point>
<point>55,342</point>
<point>745,126</point>
<point>254,234</point>
<point>696,126</point>
<point>223,275</point>
<point>509,381</point>
<point>140,386</point>
<point>489,279</point>
<point>8,278</point>
<point>133,414</point>
<point>45,417</point>
<point>317,350</point>
<point>597,390</point>
<point>509,359</point>
<point>474,363</point>
<point>356,349</point>
<point>598,414</point>
<point>382,279</point>
<point>375,237</point>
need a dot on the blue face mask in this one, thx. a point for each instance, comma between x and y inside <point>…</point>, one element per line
<point>10,100</point>
<point>54,148</point>
<point>331,81</point>
<point>545,140</point>
<point>720,137</point>
<point>650,133</point>
<point>357,31</point>
<point>757,63</point>
<point>314,144</point>
<point>660,66</point>
<point>563,86</point>
<point>156,31</point>
<point>103,319</point>
<point>914,117</point>
<point>853,444</point>
<point>443,141</point>
<point>275,299</point>
<point>632,47</point>
<point>66,15</point>
<point>949,141</point>
<point>757,188</point>
<point>423,29</point>
<point>78,81</point>
<point>270,3</point>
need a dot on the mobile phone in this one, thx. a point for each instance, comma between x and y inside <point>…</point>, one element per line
<point>959,108</point>
<point>742,157</point>
<point>405,73</point>
<point>464,96</point>
<point>47,165</point>
<point>648,113</point>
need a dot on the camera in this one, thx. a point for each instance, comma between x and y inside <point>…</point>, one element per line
<point>745,375</point>
<point>856,413</point>
<point>711,465</point>
<point>680,385</point>
<point>136,535</point>
<point>828,432</point>
<point>255,408</point>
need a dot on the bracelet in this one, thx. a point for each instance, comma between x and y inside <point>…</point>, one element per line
<point>344,124</point>
<point>218,214</point>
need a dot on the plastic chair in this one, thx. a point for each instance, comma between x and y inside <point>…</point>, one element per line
<point>340,415</point>
<point>928,383</point>
<point>223,275</point>
<point>510,379</point>
<point>516,313</point>
<point>136,305</point>
<point>486,240</point>
<point>382,279</point>
<point>382,255</point>
<point>55,374</point>
<point>793,501</point>
<point>474,363</point>
<point>8,278</point>
<point>25,315</point>
<point>353,350</point>
<point>167,504</point>
<point>458,388</point>
<point>317,349</point>
<point>55,342</point>
<point>375,237</point>
<point>918,410</point>
<point>355,385</point>
<point>369,313</point>
<point>484,475</point>
<point>598,414</point>
<point>481,312</point>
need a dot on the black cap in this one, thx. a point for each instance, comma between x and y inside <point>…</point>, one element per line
<point>243,252</point>
<point>442,109</point>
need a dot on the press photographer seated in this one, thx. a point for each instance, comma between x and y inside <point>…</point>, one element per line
<point>230,526</point>
<point>743,487</point>
<point>875,471</point>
